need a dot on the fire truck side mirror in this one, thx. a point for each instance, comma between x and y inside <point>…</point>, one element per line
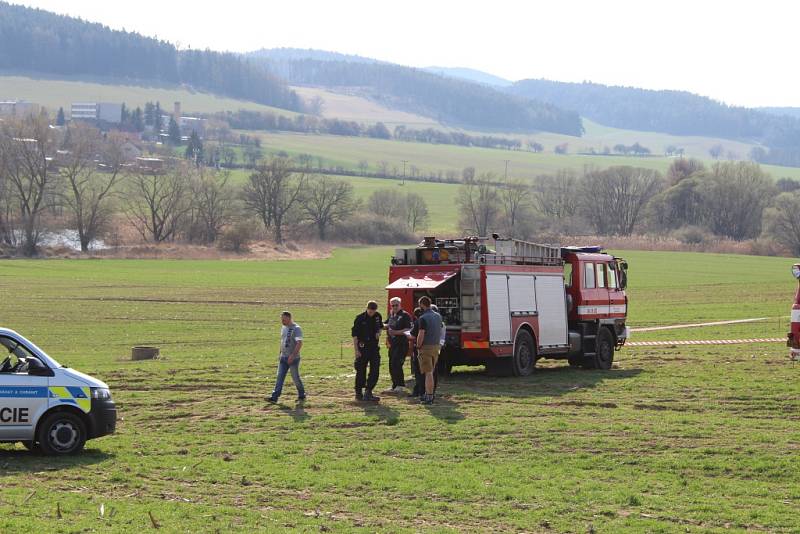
<point>622,267</point>
<point>796,270</point>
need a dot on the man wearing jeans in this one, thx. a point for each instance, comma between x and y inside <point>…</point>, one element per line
<point>289,359</point>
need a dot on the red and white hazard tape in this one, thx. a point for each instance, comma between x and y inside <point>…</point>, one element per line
<point>704,342</point>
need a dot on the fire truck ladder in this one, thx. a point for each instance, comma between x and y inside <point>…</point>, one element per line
<point>508,250</point>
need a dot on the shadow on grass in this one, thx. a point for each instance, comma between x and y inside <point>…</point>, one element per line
<point>544,382</point>
<point>382,412</point>
<point>14,459</point>
<point>298,412</point>
<point>445,409</point>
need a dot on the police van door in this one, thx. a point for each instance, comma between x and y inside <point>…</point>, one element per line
<point>22,397</point>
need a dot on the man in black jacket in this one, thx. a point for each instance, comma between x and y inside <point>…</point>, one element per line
<point>398,328</point>
<point>366,335</point>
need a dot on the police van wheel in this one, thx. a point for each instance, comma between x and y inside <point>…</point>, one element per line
<point>524,359</point>
<point>62,433</point>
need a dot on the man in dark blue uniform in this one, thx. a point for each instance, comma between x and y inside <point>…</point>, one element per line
<point>366,335</point>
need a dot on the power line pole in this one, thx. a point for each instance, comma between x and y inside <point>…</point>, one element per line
<point>404,171</point>
<point>506,175</point>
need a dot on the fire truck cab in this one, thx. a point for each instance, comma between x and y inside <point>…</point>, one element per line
<point>508,305</point>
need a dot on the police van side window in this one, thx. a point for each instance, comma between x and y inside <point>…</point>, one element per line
<point>588,275</point>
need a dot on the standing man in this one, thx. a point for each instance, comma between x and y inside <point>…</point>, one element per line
<point>289,358</point>
<point>398,325</point>
<point>366,335</point>
<point>419,378</point>
<point>430,331</point>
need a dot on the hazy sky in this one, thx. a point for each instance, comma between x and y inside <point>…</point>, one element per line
<point>742,53</point>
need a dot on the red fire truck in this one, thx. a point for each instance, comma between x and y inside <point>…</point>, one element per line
<point>511,303</point>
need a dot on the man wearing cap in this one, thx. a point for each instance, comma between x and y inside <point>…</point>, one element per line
<point>366,334</point>
<point>398,327</point>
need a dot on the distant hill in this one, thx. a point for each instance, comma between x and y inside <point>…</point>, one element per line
<point>788,111</point>
<point>37,41</point>
<point>290,54</point>
<point>448,100</point>
<point>673,112</point>
<point>470,75</point>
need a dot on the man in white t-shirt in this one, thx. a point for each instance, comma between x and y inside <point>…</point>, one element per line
<point>289,358</point>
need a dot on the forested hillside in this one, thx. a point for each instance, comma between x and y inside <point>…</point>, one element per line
<point>290,54</point>
<point>790,111</point>
<point>34,40</point>
<point>457,102</point>
<point>673,112</point>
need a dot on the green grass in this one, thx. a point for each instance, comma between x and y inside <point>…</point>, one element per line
<point>441,198</point>
<point>348,151</point>
<point>672,439</point>
<point>53,93</point>
<point>351,107</point>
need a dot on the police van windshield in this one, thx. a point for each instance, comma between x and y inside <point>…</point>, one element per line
<point>15,351</point>
<point>13,348</point>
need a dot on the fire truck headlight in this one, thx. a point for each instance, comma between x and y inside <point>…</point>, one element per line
<point>796,270</point>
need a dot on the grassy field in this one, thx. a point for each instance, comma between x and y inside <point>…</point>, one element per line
<point>360,109</point>
<point>699,439</point>
<point>356,108</point>
<point>53,94</point>
<point>348,151</point>
<point>439,197</point>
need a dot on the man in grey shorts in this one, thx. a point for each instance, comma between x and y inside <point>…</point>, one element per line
<point>289,359</point>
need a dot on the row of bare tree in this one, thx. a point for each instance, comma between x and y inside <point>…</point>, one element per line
<point>83,180</point>
<point>735,200</point>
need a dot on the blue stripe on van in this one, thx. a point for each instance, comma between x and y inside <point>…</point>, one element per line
<point>23,392</point>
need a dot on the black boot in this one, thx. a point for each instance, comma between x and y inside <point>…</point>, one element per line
<point>359,395</point>
<point>368,396</point>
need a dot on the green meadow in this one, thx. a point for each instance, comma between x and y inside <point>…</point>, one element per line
<point>672,439</point>
<point>347,152</point>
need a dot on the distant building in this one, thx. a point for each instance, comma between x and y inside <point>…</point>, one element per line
<point>130,151</point>
<point>186,124</point>
<point>154,165</point>
<point>97,111</point>
<point>18,108</point>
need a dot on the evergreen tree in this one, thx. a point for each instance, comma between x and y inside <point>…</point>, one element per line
<point>149,114</point>
<point>137,122</point>
<point>174,132</point>
<point>194,150</point>
<point>158,122</point>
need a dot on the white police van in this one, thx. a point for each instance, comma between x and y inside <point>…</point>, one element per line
<point>46,406</point>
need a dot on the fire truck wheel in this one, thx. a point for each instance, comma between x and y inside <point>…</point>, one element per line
<point>444,367</point>
<point>524,354</point>
<point>604,356</point>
